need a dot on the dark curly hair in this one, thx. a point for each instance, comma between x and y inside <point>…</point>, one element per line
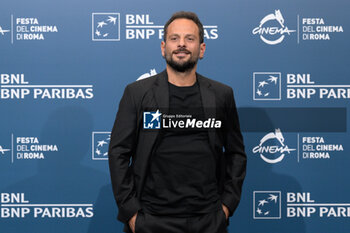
<point>185,15</point>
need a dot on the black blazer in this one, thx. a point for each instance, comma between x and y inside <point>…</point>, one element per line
<point>129,140</point>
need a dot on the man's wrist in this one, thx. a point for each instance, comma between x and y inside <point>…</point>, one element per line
<point>226,210</point>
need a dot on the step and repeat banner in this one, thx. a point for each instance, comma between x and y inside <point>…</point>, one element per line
<point>63,69</point>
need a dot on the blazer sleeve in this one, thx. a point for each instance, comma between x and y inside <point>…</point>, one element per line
<point>121,149</point>
<point>235,157</point>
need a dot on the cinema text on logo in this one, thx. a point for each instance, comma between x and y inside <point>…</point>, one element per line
<point>3,31</point>
<point>272,150</point>
<point>3,150</point>
<point>273,31</point>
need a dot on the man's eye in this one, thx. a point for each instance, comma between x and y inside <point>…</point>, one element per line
<point>173,38</point>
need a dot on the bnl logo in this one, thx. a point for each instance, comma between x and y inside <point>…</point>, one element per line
<point>267,205</point>
<point>266,86</point>
<point>151,120</point>
<point>100,143</point>
<point>105,26</point>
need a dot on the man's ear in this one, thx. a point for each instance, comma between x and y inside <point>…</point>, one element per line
<point>162,47</point>
<point>202,47</point>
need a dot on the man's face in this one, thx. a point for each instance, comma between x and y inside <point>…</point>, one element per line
<point>182,47</point>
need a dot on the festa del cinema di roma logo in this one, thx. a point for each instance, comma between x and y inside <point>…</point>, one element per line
<point>272,148</point>
<point>3,31</point>
<point>269,33</point>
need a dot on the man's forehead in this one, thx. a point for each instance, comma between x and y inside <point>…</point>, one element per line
<point>182,25</point>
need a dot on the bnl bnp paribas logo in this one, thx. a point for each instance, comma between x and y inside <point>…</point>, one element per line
<point>272,147</point>
<point>107,27</point>
<point>267,205</point>
<point>17,87</point>
<point>267,86</point>
<point>272,29</point>
<point>100,143</point>
<point>17,206</point>
<point>152,120</point>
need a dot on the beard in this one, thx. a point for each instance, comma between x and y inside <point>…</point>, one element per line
<point>181,67</point>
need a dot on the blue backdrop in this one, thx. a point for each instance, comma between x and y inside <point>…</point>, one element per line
<point>64,66</point>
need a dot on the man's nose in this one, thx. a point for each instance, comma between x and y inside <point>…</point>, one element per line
<point>181,42</point>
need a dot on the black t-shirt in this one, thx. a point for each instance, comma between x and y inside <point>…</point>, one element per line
<point>181,178</point>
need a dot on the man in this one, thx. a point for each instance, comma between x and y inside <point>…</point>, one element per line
<point>176,179</point>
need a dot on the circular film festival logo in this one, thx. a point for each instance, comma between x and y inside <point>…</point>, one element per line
<point>272,148</point>
<point>269,33</point>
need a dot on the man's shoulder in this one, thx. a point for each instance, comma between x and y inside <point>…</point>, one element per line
<point>142,85</point>
<point>219,86</point>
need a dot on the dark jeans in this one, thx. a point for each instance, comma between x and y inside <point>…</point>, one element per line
<point>214,222</point>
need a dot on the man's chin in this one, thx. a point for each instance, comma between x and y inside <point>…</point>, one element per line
<point>181,59</point>
<point>180,64</point>
<point>181,68</point>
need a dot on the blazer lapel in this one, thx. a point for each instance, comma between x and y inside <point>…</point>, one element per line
<point>209,105</point>
<point>161,92</point>
<point>161,96</point>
